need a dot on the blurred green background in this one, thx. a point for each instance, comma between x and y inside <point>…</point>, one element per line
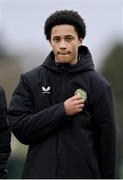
<point>23,46</point>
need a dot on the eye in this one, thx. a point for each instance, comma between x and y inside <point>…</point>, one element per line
<point>69,39</point>
<point>56,40</point>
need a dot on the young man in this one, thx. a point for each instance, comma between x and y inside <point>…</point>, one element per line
<point>5,136</point>
<point>63,109</point>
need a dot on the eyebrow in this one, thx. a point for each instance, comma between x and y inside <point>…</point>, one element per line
<point>69,35</point>
<point>56,37</point>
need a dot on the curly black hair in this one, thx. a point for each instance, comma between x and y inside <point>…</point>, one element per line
<point>65,17</point>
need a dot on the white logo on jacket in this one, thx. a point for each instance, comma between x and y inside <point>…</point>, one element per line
<point>46,90</point>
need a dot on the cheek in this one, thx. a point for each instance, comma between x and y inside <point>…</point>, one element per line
<point>74,50</point>
<point>54,48</point>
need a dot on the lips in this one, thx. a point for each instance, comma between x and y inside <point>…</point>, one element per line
<point>63,53</point>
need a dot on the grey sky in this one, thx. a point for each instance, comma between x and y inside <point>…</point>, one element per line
<point>22,22</point>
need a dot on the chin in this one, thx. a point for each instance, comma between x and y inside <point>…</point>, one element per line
<point>64,61</point>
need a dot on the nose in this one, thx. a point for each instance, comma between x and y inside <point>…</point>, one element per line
<point>62,45</point>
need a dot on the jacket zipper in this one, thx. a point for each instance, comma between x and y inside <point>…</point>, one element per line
<point>58,136</point>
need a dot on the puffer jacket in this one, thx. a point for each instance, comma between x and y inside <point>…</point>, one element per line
<point>61,146</point>
<point>5,136</point>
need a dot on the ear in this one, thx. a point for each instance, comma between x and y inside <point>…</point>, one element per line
<point>80,41</point>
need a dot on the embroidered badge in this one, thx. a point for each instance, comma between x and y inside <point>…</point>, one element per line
<point>82,93</point>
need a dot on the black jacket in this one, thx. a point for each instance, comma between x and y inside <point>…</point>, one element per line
<point>61,146</point>
<point>5,136</point>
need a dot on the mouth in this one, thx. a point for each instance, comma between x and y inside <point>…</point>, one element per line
<point>63,53</point>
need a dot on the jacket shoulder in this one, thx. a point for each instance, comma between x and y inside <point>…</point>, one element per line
<point>99,80</point>
<point>32,73</point>
<point>99,87</point>
<point>29,79</point>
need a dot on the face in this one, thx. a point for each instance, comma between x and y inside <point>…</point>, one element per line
<point>64,41</point>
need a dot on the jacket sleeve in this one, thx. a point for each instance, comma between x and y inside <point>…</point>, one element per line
<point>30,127</point>
<point>105,133</point>
<point>5,136</point>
